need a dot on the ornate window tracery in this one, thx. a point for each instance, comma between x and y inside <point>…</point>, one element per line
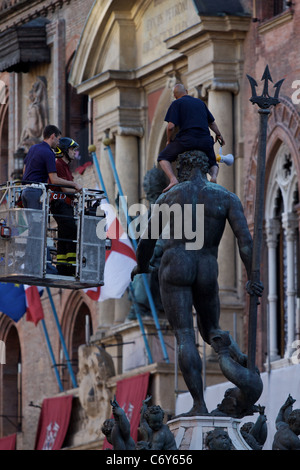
<point>282,242</point>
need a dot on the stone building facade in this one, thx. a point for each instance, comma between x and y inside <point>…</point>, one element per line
<point>111,71</point>
<point>271,40</point>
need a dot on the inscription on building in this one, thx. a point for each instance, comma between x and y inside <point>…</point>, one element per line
<point>166,19</point>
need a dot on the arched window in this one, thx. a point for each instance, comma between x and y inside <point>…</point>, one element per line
<point>267,10</point>
<point>3,141</point>
<point>78,328</point>
<point>283,253</point>
<point>77,121</point>
<point>10,381</point>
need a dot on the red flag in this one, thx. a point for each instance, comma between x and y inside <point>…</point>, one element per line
<point>34,308</point>
<point>119,260</point>
<point>53,423</point>
<point>8,442</point>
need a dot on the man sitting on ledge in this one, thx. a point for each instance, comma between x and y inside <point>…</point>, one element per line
<point>194,120</point>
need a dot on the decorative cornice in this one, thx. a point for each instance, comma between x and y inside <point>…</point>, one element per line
<point>10,5</point>
<point>209,26</point>
<point>220,85</point>
<point>19,12</point>
<point>136,131</point>
<point>276,22</point>
<point>109,78</point>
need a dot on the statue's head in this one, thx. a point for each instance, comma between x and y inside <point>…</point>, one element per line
<point>154,183</point>
<point>294,421</point>
<point>107,428</point>
<point>154,416</point>
<point>190,160</point>
<point>218,439</point>
<point>247,427</point>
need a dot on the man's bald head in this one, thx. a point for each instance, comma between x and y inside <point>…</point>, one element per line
<point>179,90</point>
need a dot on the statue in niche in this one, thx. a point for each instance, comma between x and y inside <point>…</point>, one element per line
<point>37,115</point>
<point>154,182</point>
<point>288,427</point>
<point>188,277</point>
<point>95,368</point>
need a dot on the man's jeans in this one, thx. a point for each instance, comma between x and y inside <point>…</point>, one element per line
<point>31,200</point>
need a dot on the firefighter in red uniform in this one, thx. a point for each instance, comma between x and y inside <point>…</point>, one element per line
<point>62,208</point>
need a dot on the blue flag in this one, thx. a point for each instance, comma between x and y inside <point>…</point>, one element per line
<point>12,300</point>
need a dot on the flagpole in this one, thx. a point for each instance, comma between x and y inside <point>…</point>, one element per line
<point>73,379</point>
<point>96,163</point>
<point>138,315</point>
<point>52,355</point>
<point>145,281</point>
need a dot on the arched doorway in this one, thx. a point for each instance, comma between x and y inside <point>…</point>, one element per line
<point>3,143</point>
<point>77,328</point>
<point>10,380</point>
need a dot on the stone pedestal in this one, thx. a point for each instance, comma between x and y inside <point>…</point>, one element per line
<point>190,432</point>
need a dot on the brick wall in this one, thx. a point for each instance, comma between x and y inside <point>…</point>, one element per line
<point>38,377</point>
<point>270,42</point>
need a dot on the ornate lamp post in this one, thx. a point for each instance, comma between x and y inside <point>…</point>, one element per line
<point>264,102</point>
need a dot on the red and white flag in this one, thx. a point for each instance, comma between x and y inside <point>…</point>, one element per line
<point>34,308</point>
<point>119,260</point>
<point>53,423</point>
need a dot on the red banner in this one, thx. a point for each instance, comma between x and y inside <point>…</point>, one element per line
<point>8,443</point>
<point>53,423</point>
<point>130,394</point>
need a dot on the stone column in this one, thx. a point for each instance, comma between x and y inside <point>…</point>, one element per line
<point>106,311</point>
<point>272,232</point>
<point>127,166</point>
<point>289,222</point>
<point>56,38</point>
<point>13,122</point>
<point>127,162</point>
<point>220,103</point>
<point>297,209</point>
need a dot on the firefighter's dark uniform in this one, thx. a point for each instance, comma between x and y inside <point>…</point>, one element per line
<point>63,213</point>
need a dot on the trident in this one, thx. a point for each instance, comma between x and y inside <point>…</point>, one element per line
<point>264,101</point>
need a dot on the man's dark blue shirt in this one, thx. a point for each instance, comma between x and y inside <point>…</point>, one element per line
<point>191,115</point>
<point>39,162</point>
